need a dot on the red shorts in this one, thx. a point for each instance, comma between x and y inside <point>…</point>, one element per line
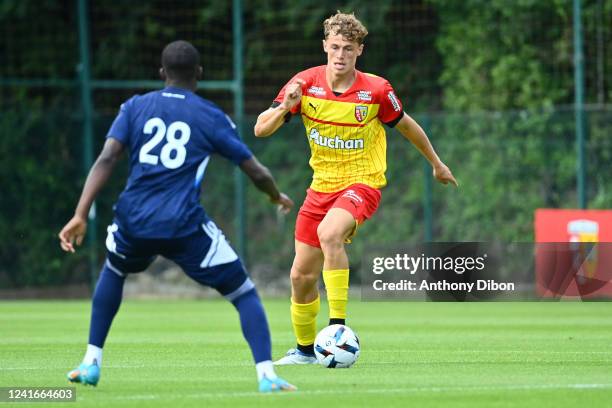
<point>358,199</point>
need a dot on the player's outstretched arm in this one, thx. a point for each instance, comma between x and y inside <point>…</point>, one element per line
<point>74,231</point>
<point>270,120</point>
<point>413,132</point>
<point>264,181</point>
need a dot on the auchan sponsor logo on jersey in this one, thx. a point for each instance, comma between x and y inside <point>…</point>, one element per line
<point>335,143</point>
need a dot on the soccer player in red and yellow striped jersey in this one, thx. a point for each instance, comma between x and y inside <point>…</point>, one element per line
<point>343,111</point>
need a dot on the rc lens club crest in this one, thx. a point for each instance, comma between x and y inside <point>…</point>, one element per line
<point>361,112</point>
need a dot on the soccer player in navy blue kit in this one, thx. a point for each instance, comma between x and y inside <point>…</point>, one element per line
<point>171,135</point>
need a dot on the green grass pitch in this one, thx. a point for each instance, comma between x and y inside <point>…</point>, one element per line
<point>192,354</point>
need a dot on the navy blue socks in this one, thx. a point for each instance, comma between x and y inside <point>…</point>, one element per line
<point>254,325</point>
<point>105,304</point>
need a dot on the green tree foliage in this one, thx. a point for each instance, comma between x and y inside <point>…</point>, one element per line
<point>513,57</point>
<point>39,181</point>
<point>504,55</point>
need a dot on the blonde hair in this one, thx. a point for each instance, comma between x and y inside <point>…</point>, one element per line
<point>345,25</point>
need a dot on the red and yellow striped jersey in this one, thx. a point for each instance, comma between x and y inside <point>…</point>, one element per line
<point>347,140</point>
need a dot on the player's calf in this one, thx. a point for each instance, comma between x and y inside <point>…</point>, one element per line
<point>255,330</point>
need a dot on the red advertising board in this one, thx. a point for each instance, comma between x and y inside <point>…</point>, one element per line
<point>573,253</point>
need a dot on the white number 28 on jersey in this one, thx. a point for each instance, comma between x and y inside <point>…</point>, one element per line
<point>173,153</point>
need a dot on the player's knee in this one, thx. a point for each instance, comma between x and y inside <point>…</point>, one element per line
<point>301,278</point>
<point>330,239</point>
<point>249,298</point>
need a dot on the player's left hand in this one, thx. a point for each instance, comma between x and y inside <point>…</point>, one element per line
<point>72,233</point>
<point>284,203</point>
<point>443,174</point>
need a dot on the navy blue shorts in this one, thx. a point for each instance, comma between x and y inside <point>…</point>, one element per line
<point>205,256</point>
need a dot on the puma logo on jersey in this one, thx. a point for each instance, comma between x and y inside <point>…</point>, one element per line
<point>335,143</point>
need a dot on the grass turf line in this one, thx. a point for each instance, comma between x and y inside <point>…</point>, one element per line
<point>192,354</point>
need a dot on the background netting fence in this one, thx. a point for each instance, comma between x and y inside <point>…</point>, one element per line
<point>492,82</point>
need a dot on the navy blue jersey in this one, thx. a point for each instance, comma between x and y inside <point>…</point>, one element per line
<point>170,135</point>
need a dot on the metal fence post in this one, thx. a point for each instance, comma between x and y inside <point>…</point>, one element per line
<point>579,107</point>
<point>87,110</point>
<point>238,90</point>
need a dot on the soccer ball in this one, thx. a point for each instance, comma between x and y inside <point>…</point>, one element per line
<point>337,346</point>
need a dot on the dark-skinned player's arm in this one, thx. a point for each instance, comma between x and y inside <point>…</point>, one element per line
<point>270,120</point>
<point>74,231</point>
<point>264,181</point>
<point>413,132</point>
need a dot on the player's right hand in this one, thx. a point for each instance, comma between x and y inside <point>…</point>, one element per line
<point>284,203</point>
<point>293,93</point>
<point>443,174</point>
<point>72,233</point>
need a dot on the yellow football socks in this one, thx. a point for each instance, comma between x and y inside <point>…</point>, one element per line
<point>304,320</point>
<point>336,284</point>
